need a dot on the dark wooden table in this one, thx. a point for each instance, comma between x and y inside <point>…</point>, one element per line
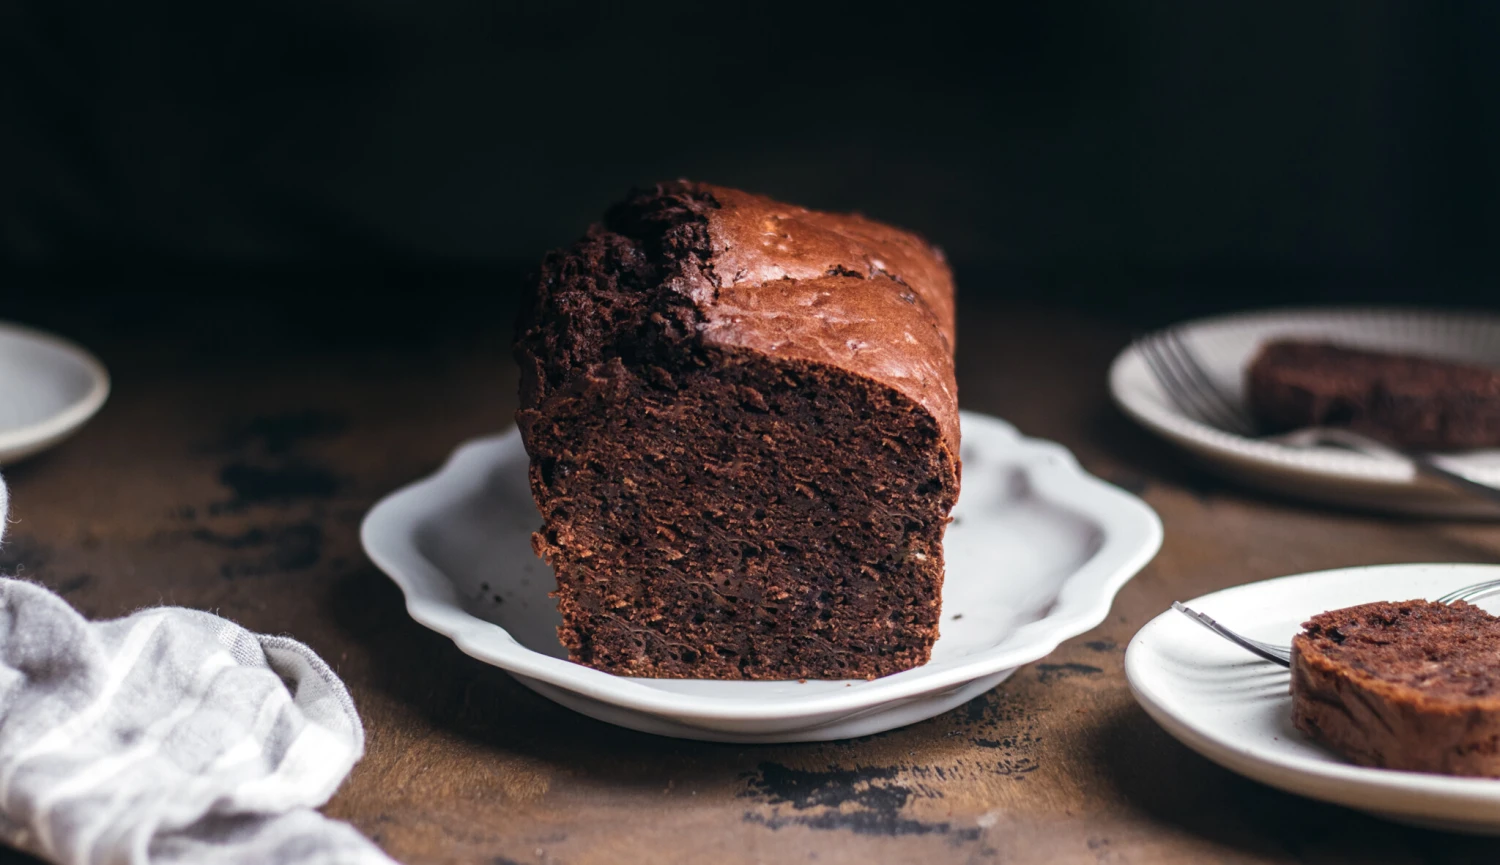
<point>229,472</point>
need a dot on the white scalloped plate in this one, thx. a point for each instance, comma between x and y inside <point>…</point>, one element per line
<point>1235,709</point>
<point>1037,550</point>
<point>1226,344</point>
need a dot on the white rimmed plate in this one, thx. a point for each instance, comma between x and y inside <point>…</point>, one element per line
<point>49,387</point>
<point>1226,344</point>
<point>1037,550</point>
<point>1235,709</point>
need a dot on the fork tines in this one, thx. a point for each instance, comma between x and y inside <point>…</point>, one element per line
<point>1189,385</point>
<point>1471,593</point>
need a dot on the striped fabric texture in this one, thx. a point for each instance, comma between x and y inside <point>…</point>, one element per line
<point>168,736</point>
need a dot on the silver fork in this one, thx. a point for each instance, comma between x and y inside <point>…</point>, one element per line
<point>1283,654</point>
<point>1189,385</point>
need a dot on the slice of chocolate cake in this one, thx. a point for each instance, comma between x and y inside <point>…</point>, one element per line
<point>1409,401</point>
<point>1412,685</point>
<point>743,430</point>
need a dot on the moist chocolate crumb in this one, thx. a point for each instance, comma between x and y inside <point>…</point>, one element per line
<point>1411,685</point>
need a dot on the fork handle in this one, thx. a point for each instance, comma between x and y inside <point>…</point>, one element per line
<point>1250,646</point>
<point>1426,465</point>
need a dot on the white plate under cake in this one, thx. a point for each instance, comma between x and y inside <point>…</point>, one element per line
<point>1035,555</point>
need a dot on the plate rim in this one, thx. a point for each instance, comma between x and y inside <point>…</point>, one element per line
<point>1388,791</point>
<point>1132,535</point>
<point>49,429</point>
<point>1202,439</point>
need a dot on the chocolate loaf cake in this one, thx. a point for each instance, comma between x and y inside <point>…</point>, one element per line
<point>743,429</point>
<point>1412,685</point>
<point>1413,402</point>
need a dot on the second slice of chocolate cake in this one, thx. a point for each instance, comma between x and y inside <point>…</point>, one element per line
<point>1413,685</point>
<point>1407,400</point>
<point>743,429</point>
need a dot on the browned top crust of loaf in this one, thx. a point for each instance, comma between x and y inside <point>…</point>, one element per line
<point>742,270</point>
<point>803,284</point>
<point>1418,652</point>
<point>1411,401</point>
<point>832,288</point>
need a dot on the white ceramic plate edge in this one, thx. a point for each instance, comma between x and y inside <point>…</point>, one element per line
<point>1207,441</point>
<point>875,719</point>
<point>24,441</point>
<point>1132,534</point>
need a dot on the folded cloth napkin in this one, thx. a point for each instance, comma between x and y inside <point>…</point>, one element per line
<point>168,736</point>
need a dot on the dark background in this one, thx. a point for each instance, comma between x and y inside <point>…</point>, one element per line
<point>408,161</point>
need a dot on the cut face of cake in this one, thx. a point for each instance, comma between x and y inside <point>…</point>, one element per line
<point>743,429</point>
<point>1412,685</point>
<point>1409,401</point>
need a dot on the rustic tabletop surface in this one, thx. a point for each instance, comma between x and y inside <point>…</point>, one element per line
<point>230,473</point>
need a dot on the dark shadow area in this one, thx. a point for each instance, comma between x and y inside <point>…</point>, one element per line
<point>1128,156</point>
<point>213,312</point>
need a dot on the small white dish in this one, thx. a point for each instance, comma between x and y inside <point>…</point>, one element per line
<point>1225,346</point>
<point>1037,550</point>
<point>1235,709</point>
<point>49,387</point>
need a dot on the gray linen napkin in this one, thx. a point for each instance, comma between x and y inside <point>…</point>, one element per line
<point>168,736</point>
